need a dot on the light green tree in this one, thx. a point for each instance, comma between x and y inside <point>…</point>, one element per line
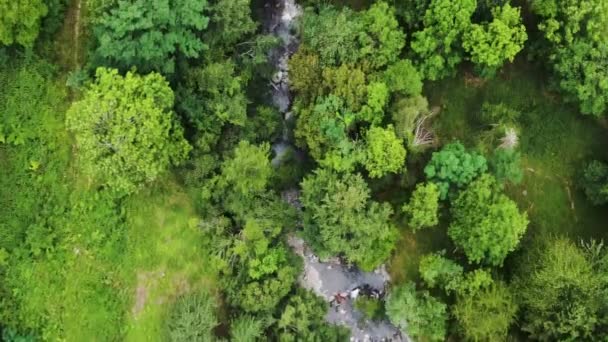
<point>125,129</point>
<point>150,35</point>
<point>486,314</point>
<point>486,224</point>
<point>20,21</point>
<point>384,152</point>
<point>417,313</point>
<point>491,44</point>
<point>403,77</point>
<point>561,289</point>
<point>438,271</point>
<point>438,46</point>
<point>422,209</point>
<point>382,39</point>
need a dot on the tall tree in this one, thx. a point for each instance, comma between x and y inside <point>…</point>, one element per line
<point>384,152</point>
<point>437,47</point>
<point>126,131</point>
<point>422,209</point>
<point>562,291</point>
<point>491,44</point>
<point>454,168</point>
<point>20,21</point>
<point>339,219</point>
<point>577,35</point>
<point>486,224</point>
<point>150,35</point>
<point>417,313</point>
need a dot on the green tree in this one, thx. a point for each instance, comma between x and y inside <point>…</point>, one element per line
<point>346,82</point>
<point>417,313</point>
<point>332,33</point>
<point>303,319</point>
<point>487,314</point>
<point>486,224</point>
<point>403,77</point>
<point>20,21</point>
<point>491,44</point>
<point>438,46</point>
<point>339,219</point>
<point>422,209</point>
<point>150,35</point>
<point>561,292</point>
<point>216,90</point>
<point>454,168</point>
<point>382,39</point>
<point>595,182</point>
<point>304,73</point>
<point>437,270</point>
<point>384,152</point>
<point>125,130</point>
<point>229,22</point>
<point>193,318</point>
<point>577,36</point>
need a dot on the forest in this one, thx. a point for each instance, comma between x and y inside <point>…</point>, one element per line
<point>303,170</point>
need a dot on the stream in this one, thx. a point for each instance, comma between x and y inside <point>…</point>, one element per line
<point>337,283</point>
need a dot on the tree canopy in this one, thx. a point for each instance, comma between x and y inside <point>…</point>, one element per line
<point>486,224</point>
<point>20,21</point>
<point>126,131</point>
<point>340,219</point>
<point>151,35</point>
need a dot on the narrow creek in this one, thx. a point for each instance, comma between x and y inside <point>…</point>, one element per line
<point>337,283</point>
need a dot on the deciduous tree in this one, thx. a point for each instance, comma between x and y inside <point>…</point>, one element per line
<point>491,44</point>
<point>340,219</point>
<point>437,47</point>
<point>486,224</point>
<point>384,152</point>
<point>453,168</point>
<point>20,21</point>
<point>126,131</point>
<point>422,209</point>
<point>417,313</point>
<point>150,35</point>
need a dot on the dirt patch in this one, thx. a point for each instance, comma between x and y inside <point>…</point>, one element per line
<point>473,81</point>
<point>146,281</point>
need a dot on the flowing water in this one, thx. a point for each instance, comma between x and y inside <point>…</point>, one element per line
<point>337,283</point>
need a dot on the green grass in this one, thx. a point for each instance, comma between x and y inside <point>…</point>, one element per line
<point>556,141</point>
<point>165,257</point>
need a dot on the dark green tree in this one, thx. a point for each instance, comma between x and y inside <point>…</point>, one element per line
<point>595,182</point>
<point>454,168</point>
<point>150,35</point>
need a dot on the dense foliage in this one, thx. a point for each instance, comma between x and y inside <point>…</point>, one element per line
<point>243,170</point>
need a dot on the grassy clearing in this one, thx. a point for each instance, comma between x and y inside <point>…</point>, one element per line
<point>556,141</point>
<point>164,257</point>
